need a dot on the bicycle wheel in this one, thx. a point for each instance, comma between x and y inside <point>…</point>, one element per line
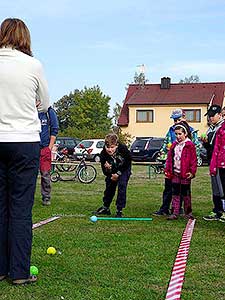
<point>55,176</point>
<point>157,169</point>
<point>87,174</point>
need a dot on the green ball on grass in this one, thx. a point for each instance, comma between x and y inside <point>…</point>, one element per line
<point>33,270</point>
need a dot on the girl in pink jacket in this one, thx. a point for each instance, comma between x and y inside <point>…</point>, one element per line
<point>181,167</point>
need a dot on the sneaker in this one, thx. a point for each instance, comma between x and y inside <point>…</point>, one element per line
<point>222,218</point>
<point>211,217</point>
<point>102,211</point>
<point>2,277</point>
<point>46,202</point>
<point>172,217</point>
<point>119,214</point>
<point>159,213</point>
<point>31,279</point>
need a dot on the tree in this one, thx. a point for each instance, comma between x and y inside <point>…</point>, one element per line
<point>140,78</point>
<point>62,108</point>
<point>86,114</point>
<point>191,79</point>
<point>116,113</point>
<point>124,137</point>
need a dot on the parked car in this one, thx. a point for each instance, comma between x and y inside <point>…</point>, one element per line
<point>94,147</point>
<point>67,142</point>
<point>146,148</point>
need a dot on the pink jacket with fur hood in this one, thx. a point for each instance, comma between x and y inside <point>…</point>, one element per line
<point>218,157</point>
<point>188,160</point>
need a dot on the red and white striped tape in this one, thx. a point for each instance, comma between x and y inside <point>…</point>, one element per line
<point>36,225</point>
<point>177,276</point>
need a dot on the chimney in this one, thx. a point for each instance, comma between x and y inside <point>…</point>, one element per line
<point>165,83</point>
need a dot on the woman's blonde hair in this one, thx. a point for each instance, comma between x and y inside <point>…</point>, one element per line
<point>14,33</point>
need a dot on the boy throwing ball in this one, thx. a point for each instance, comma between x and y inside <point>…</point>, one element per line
<point>116,166</point>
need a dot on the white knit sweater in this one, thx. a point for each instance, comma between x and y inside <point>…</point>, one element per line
<point>22,83</point>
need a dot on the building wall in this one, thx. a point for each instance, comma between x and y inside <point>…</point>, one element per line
<point>161,122</point>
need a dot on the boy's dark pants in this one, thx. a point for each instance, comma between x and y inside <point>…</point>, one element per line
<point>111,190</point>
<point>217,193</point>
<point>167,196</point>
<point>19,164</point>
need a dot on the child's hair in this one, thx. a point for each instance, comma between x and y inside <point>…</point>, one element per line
<point>111,139</point>
<point>183,125</point>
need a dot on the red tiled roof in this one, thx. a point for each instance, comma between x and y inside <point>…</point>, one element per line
<point>188,93</point>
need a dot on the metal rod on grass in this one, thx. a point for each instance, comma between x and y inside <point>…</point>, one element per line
<point>124,219</point>
<point>95,219</point>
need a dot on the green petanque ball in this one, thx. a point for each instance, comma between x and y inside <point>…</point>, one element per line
<point>33,270</point>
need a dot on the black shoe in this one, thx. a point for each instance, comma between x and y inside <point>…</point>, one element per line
<point>119,214</point>
<point>102,211</point>
<point>159,213</point>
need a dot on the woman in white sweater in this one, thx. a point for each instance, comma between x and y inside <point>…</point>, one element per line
<point>22,83</point>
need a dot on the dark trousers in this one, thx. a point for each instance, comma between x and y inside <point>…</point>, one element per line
<point>167,196</point>
<point>217,193</point>
<point>45,185</point>
<point>19,164</point>
<point>222,178</point>
<point>110,190</point>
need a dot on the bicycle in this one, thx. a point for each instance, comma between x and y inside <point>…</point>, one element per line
<point>85,173</point>
<point>61,156</point>
<point>159,168</point>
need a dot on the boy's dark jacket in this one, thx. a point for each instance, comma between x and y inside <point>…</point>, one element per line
<point>120,161</point>
<point>211,137</point>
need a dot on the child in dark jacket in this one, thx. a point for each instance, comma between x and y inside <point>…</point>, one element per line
<point>181,167</point>
<point>116,166</point>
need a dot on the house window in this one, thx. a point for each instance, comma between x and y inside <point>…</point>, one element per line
<point>193,115</point>
<point>144,116</point>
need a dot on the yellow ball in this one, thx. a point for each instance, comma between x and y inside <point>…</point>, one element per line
<point>169,146</point>
<point>51,250</point>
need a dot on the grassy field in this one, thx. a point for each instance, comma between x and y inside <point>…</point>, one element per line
<point>122,260</point>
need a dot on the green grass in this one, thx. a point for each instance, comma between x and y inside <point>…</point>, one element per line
<point>122,260</point>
